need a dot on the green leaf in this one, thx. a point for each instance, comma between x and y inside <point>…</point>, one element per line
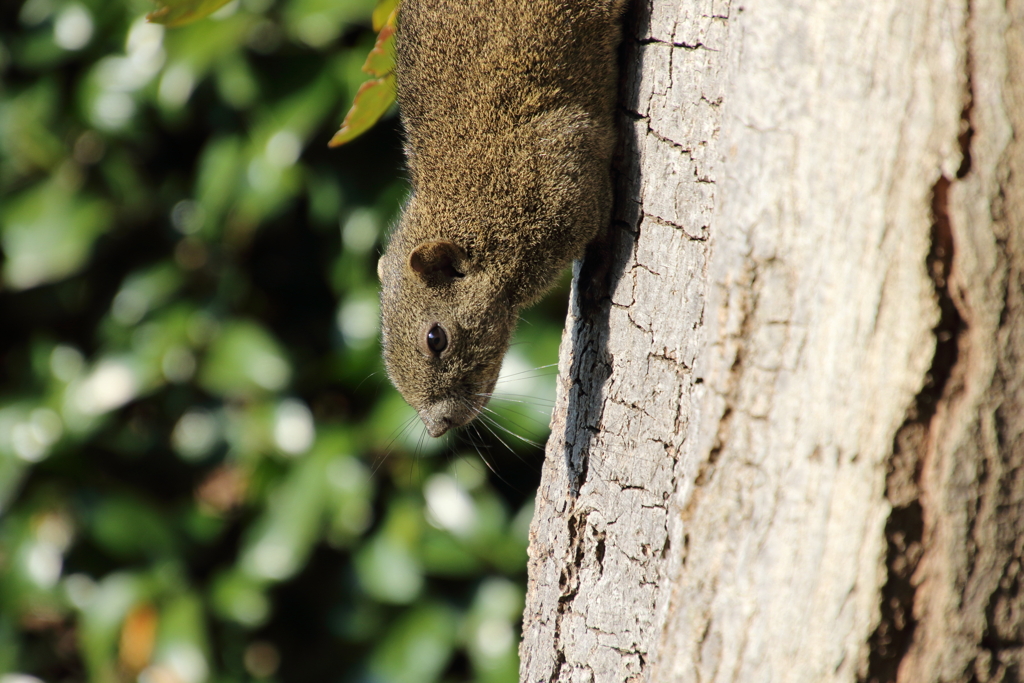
<point>182,642</point>
<point>100,623</point>
<point>371,102</point>
<point>381,60</point>
<point>243,360</point>
<point>180,12</point>
<point>389,572</point>
<point>384,13</point>
<point>376,96</point>
<point>417,647</point>
<point>47,233</point>
<point>27,131</point>
<point>221,173</point>
<point>129,529</point>
<point>387,566</point>
<point>144,290</point>
<point>237,596</point>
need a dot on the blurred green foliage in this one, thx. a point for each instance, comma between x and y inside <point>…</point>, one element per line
<point>181,12</point>
<point>204,473</point>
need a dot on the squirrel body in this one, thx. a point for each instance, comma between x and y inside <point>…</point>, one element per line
<point>508,111</point>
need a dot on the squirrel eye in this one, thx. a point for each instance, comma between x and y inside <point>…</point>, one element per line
<point>437,339</point>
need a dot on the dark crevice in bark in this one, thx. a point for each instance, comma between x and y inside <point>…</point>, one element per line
<point>568,584</point>
<point>966,126</point>
<point>707,468</point>
<point>557,667</point>
<point>1005,630</point>
<point>904,529</point>
<point>894,634</point>
<point>569,581</point>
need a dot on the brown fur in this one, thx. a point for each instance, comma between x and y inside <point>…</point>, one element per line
<point>508,113</point>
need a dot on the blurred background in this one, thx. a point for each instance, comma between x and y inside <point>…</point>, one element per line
<point>204,472</point>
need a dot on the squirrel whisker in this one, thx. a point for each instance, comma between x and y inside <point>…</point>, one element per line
<point>494,422</point>
<point>519,398</point>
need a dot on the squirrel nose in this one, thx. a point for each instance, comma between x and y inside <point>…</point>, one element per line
<point>437,427</point>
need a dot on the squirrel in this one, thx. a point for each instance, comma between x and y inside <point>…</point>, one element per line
<point>508,112</point>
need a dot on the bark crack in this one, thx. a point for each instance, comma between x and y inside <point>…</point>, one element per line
<point>904,530</point>
<point>568,584</point>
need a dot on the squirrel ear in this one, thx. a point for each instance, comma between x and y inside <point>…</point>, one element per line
<point>437,262</point>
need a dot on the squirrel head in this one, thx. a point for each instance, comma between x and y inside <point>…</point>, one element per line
<point>445,329</point>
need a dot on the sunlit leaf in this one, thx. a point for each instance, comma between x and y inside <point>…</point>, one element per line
<point>48,233</point>
<point>417,648</point>
<point>283,537</point>
<point>381,60</point>
<point>221,169</point>
<point>144,290</point>
<point>387,566</point>
<point>240,597</point>
<point>182,649</point>
<point>12,469</point>
<point>180,12</point>
<point>371,102</point>
<point>104,605</point>
<point>490,624</point>
<point>244,359</point>
<point>384,13</point>
<point>376,96</point>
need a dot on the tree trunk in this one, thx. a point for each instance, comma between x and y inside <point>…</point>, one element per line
<point>789,438</point>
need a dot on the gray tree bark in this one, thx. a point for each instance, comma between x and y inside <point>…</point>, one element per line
<point>789,437</point>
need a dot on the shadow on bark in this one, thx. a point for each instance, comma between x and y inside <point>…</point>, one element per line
<point>598,274</point>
